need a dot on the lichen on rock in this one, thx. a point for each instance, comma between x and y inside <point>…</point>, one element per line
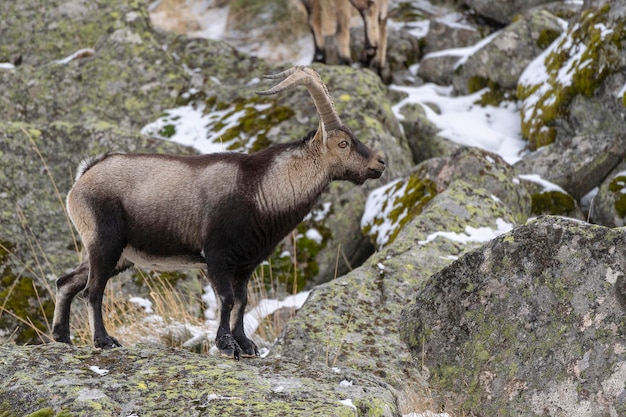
<point>577,63</point>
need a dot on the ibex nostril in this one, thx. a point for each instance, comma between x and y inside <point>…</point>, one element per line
<point>381,161</point>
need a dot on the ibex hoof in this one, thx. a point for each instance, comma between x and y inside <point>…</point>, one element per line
<point>249,351</point>
<point>228,346</point>
<point>106,342</point>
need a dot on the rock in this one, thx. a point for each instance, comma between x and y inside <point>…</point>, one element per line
<point>589,100</point>
<point>529,324</point>
<point>501,61</point>
<point>548,198</point>
<point>450,32</point>
<point>502,11</point>
<point>57,379</point>
<point>609,204</point>
<point>578,164</point>
<point>439,67</point>
<point>422,136</point>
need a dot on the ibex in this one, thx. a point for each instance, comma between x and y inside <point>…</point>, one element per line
<point>224,211</point>
<point>374,14</point>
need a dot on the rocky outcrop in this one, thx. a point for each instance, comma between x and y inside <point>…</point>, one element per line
<point>575,87</point>
<point>500,62</point>
<point>58,380</point>
<point>530,324</point>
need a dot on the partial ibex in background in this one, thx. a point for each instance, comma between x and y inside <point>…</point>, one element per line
<point>223,211</point>
<point>374,14</point>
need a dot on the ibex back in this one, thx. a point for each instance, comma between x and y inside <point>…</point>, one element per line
<point>225,212</point>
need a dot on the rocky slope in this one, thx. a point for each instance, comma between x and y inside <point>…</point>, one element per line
<point>431,310</point>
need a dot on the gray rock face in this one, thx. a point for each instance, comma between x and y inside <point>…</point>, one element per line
<point>609,204</point>
<point>503,60</point>
<point>578,164</point>
<point>530,324</point>
<point>502,11</point>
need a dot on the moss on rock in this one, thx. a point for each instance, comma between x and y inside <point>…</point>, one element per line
<point>617,186</point>
<point>575,65</point>
<point>55,379</point>
<point>553,202</point>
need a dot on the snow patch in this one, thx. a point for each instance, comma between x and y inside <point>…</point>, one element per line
<point>480,234</point>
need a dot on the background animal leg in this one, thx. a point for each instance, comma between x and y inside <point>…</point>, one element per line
<point>380,62</point>
<point>67,287</point>
<point>343,31</point>
<point>370,20</point>
<point>314,11</point>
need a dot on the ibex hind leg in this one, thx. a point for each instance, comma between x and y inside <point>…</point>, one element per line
<point>101,271</point>
<point>67,287</point>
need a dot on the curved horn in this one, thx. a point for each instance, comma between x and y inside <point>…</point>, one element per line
<point>305,76</point>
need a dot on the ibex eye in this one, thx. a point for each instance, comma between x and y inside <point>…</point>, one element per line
<point>343,144</point>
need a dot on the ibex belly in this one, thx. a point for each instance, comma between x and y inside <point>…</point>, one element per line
<point>163,263</point>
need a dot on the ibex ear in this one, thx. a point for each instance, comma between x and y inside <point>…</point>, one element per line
<point>321,136</point>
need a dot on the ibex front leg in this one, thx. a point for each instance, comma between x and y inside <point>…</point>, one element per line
<point>240,287</point>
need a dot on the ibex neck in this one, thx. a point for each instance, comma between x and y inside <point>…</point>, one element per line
<point>292,183</point>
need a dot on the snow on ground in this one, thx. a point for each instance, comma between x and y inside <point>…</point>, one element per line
<point>193,335</point>
<point>472,234</point>
<point>461,120</point>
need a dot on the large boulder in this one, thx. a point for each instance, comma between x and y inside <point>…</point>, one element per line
<point>575,87</point>
<point>530,324</point>
<point>58,380</point>
<point>576,164</point>
<point>499,63</point>
<point>352,321</point>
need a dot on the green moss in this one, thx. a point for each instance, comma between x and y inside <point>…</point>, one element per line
<point>405,200</point>
<point>552,202</point>
<point>23,297</point>
<point>255,117</point>
<point>589,53</point>
<point>44,412</point>
<point>494,95</point>
<point>546,37</point>
<point>617,185</point>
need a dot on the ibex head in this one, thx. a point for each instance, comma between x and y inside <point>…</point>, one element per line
<point>338,150</point>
